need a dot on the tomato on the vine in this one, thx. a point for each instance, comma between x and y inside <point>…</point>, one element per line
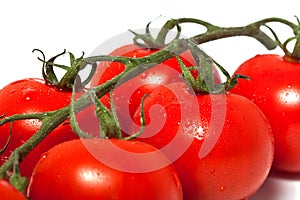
<point>275,88</point>
<point>29,96</point>
<point>95,169</point>
<point>127,97</point>
<point>221,144</point>
<point>8,192</point>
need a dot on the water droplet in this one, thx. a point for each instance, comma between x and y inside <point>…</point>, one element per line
<point>213,172</point>
<point>27,92</point>
<point>222,189</point>
<point>44,155</point>
<point>12,91</point>
<point>194,129</point>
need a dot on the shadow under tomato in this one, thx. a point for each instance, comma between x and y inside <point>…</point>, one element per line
<point>286,176</point>
<point>279,186</point>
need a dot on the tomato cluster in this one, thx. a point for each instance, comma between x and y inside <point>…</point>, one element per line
<point>208,137</point>
<point>184,134</point>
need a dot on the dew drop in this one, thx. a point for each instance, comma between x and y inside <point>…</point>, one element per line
<point>12,91</point>
<point>212,172</point>
<point>222,189</point>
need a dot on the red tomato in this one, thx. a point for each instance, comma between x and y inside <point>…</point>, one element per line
<point>31,96</point>
<point>88,169</point>
<point>221,145</point>
<point>127,97</point>
<point>8,192</point>
<point>275,88</point>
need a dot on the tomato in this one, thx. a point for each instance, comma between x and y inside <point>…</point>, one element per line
<point>90,169</point>
<point>31,96</point>
<point>275,88</point>
<point>8,192</point>
<point>221,144</point>
<point>127,97</point>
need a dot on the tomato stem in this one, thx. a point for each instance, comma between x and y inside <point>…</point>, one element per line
<point>204,83</point>
<point>8,139</point>
<point>143,121</point>
<point>296,51</point>
<point>293,56</point>
<point>214,32</point>
<point>67,80</point>
<point>18,181</point>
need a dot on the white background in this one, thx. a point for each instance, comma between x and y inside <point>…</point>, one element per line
<point>83,25</point>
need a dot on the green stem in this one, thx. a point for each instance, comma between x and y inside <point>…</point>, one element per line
<point>215,32</point>
<point>296,51</point>
<point>50,122</point>
<point>13,118</point>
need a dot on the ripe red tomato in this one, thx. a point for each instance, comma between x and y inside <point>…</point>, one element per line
<point>8,192</point>
<point>275,88</point>
<point>31,96</point>
<point>89,169</point>
<point>127,97</point>
<point>221,145</point>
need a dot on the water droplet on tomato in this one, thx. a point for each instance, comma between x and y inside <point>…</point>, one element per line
<point>12,91</point>
<point>28,91</point>
<point>222,189</point>
<point>194,129</point>
<point>212,172</point>
<point>4,158</point>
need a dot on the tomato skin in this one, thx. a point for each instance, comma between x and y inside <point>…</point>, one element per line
<point>127,97</point>
<point>26,96</point>
<point>70,171</point>
<point>8,192</point>
<point>239,161</point>
<point>275,88</point>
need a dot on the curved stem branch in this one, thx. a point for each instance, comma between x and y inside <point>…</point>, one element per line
<point>49,122</point>
<point>15,117</point>
<point>215,32</point>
